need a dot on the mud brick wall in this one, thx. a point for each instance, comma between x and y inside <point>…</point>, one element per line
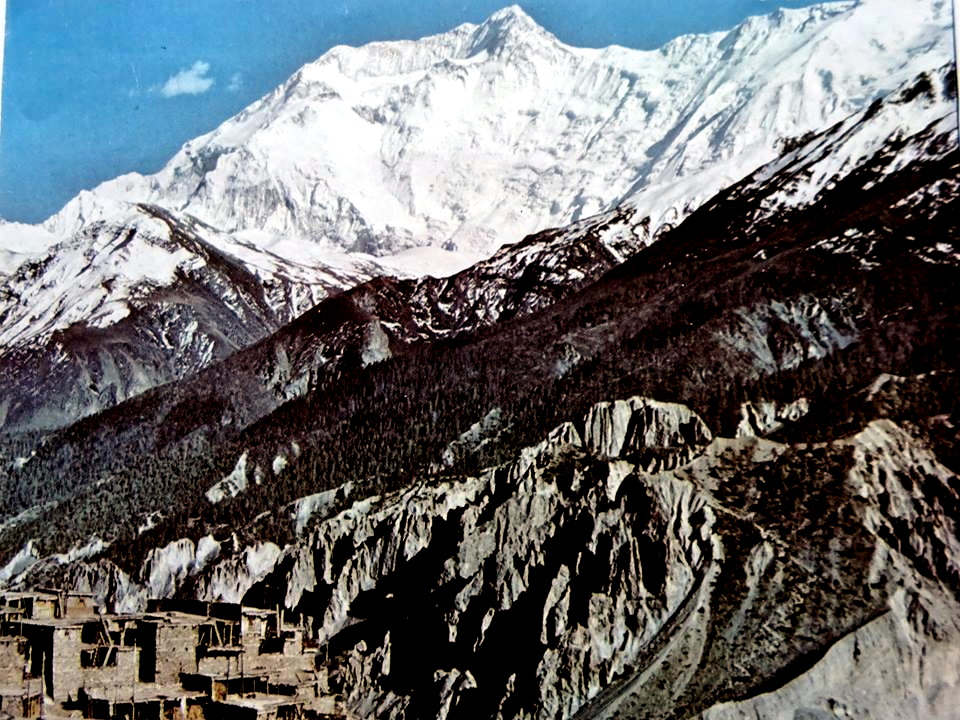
<point>68,675</point>
<point>12,661</point>
<point>176,652</point>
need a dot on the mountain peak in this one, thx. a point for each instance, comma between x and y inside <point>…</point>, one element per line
<point>509,15</point>
<point>508,26</point>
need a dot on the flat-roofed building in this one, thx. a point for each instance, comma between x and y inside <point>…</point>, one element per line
<point>79,604</point>
<point>218,660</point>
<point>220,687</point>
<point>36,605</point>
<point>147,701</point>
<point>11,621</point>
<point>169,644</point>
<point>258,627</point>
<point>54,647</point>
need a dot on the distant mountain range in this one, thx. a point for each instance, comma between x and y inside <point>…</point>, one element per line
<point>416,158</point>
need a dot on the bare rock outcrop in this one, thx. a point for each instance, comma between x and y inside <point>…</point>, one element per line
<point>629,565</point>
<point>575,582</point>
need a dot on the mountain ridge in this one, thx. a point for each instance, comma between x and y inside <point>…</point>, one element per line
<point>547,135</point>
<point>751,36</point>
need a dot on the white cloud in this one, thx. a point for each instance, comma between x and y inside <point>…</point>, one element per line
<point>236,82</point>
<point>193,81</point>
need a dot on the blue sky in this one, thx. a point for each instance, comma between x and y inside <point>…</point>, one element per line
<point>96,88</point>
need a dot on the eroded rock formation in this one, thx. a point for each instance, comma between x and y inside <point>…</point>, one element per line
<point>630,565</point>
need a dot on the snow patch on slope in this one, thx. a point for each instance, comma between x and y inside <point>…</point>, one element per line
<point>20,563</point>
<point>20,243</point>
<point>232,485</point>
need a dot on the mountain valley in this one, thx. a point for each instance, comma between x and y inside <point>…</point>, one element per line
<point>690,453</point>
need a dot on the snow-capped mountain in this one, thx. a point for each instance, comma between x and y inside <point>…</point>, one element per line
<point>419,157</point>
<point>135,300</point>
<point>20,243</point>
<point>484,134</point>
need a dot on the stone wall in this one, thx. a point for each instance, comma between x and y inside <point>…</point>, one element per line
<point>22,704</point>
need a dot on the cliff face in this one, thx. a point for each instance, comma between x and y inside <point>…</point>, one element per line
<point>630,565</point>
<point>566,563</point>
<point>887,669</point>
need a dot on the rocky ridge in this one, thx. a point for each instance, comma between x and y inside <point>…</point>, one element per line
<point>369,323</point>
<point>630,563</point>
<point>148,301</point>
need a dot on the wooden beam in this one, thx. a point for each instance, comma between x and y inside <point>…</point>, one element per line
<point>106,630</point>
